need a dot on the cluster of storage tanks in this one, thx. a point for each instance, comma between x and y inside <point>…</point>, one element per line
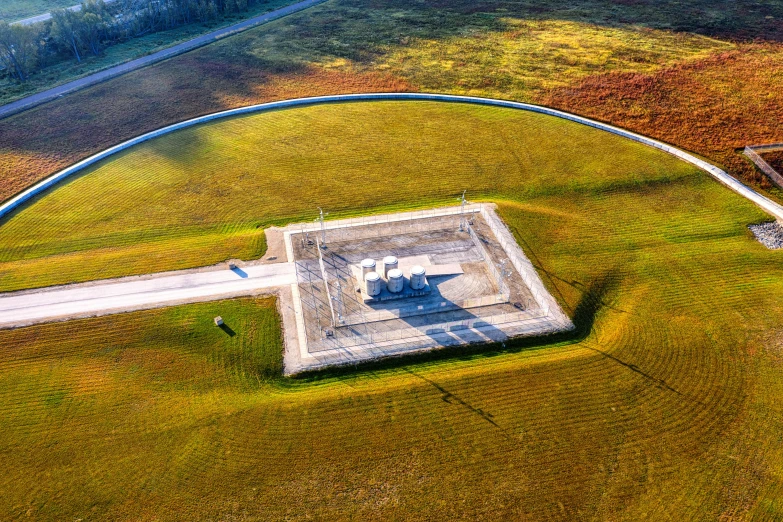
<point>395,281</point>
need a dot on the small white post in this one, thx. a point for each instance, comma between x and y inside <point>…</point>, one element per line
<point>462,213</point>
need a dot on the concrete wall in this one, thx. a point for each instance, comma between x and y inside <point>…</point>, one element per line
<point>764,203</point>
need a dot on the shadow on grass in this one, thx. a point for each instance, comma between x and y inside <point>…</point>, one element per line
<point>592,301</point>
<point>227,329</point>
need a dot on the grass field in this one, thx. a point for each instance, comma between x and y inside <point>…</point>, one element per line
<point>18,9</point>
<point>528,51</point>
<point>204,195</point>
<point>664,406</point>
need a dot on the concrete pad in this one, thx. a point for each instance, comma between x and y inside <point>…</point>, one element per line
<point>470,302</point>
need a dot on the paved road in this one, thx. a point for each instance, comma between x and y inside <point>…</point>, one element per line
<point>113,72</point>
<point>46,16</point>
<point>128,294</point>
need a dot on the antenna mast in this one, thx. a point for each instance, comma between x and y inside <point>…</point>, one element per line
<point>323,226</point>
<point>462,212</point>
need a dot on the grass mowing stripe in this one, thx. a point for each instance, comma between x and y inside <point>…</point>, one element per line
<point>667,403</point>
<point>278,166</point>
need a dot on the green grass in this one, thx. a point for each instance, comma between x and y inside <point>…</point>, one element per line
<point>665,406</point>
<point>125,390</point>
<point>203,195</point>
<point>11,10</point>
<point>69,70</point>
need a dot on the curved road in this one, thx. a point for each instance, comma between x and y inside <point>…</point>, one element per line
<point>48,304</point>
<point>117,70</point>
<point>723,177</point>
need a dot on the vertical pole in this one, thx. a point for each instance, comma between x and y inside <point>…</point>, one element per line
<point>323,227</point>
<point>462,213</point>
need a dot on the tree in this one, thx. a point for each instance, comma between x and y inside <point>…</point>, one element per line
<point>19,49</point>
<point>93,26</point>
<point>66,26</point>
<point>90,32</point>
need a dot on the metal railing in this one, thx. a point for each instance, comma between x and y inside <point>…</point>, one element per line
<point>503,291</point>
<point>521,263</point>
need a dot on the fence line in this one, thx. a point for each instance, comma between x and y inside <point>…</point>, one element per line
<point>397,222</point>
<point>769,147</point>
<point>522,264</point>
<point>750,152</point>
<point>414,310</point>
<point>503,292</point>
<point>543,306</point>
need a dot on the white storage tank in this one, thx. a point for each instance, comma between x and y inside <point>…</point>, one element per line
<point>394,280</point>
<point>372,283</point>
<point>417,277</point>
<point>389,263</point>
<point>368,265</point>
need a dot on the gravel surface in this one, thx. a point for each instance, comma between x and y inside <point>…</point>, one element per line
<point>769,234</point>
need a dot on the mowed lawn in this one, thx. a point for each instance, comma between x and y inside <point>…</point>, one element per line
<point>204,195</point>
<point>665,406</point>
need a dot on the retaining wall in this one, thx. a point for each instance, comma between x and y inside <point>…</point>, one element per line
<point>763,202</point>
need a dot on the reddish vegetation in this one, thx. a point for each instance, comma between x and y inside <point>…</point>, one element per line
<point>39,142</point>
<point>712,106</point>
<point>775,160</point>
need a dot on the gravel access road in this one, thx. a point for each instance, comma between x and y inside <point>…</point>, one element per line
<point>129,294</point>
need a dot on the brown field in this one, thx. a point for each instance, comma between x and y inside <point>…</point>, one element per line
<point>706,103</point>
<point>712,106</point>
<point>775,160</point>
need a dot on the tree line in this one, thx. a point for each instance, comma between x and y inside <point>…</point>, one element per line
<point>74,34</point>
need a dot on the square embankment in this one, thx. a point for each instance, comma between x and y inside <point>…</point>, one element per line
<point>480,287</point>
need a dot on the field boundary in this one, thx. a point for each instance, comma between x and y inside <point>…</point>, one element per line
<point>720,175</point>
<point>752,152</point>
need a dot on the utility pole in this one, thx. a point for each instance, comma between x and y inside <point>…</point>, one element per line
<point>462,212</point>
<point>323,226</point>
